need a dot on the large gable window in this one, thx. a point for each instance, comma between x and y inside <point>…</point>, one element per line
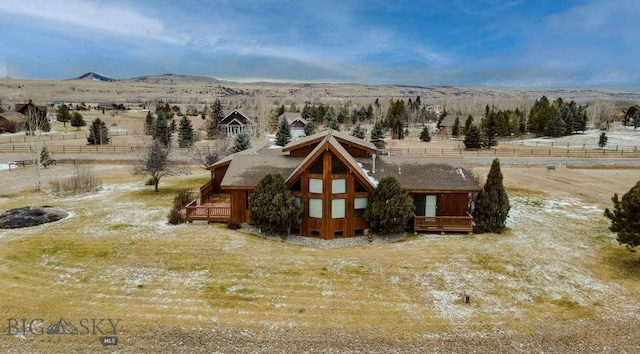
<point>315,208</point>
<point>338,208</point>
<point>359,204</point>
<point>338,186</point>
<point>337,168</point>
<point>315,185</point>
<point>317,168</point>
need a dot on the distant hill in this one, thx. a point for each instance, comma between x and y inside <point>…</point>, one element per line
<point>175,79</point>
<point>94,76</point>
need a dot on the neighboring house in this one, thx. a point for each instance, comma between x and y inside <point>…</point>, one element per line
<point>235,122</point>
<point>446,126</point>
<point>12,122</point>
<point>176,110</point>
<point>296,123</point>
<point>30,108</point>
<point>332,176</point>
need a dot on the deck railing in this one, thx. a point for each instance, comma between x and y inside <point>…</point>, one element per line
<point>206,191</point>
<point>443,223</point>
<point>194,211</point>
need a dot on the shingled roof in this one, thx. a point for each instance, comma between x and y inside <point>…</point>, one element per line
<point>424,174</point>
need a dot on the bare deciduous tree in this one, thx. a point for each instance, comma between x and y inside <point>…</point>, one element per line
<point>155,162</point>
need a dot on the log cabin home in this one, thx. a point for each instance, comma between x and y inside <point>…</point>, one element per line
<point>30,108</point>
<point>235,122</point>
<point>332,176</point>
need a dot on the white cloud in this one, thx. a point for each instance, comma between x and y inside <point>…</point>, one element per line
<point>74,15</point>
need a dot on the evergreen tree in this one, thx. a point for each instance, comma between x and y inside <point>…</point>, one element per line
<point>624,217</point>
<point>63,115</point>
<point>358,132</point>
<point>490,131</point>
<point>377,135</point>
<point>155,162</point>
<point>283,136</point>
<point>273,207</point>
<point>455,131</point>
<point>98,133</point>
<point>149,124</point>
<point>217,111</point>
<point>390,207</point>
<point>467,124</point>
<point>473,139</point>
<point>186,134</point>
<point>173,127</point>
<point>161,131</point>
<point>310,128</point>
<point>45,157</point>
<point>424,134</point>
<point>241,142</point>
<point>77,120</point>
<point>602,141</point>
<point>492,203</point>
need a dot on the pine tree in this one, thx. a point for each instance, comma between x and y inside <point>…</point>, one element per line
<point>98,133</point>
<point>455,131</point>
<point>492,203</point>
<point>77,120</point>
<point>390,207</point>
<point>217,111</point>
<point>211,127</point>
<point>467,124</point>
<point>602,141</point>
<point>161,131</point>
<point>635,120</point>
<point>358,132</point>
<point>473,139</point>
<point>283,136</point>
<point>624,217</point>
<point>490,131</point>
<point>63,115</point>
<point>45,157</point>
<point>424,134</point>
<point>309,128</point>
<point>241,142</point>
<point>273,207</point>
<point>377,135</point>
<point>173,127</point>
<point>186,134</point>
<point>149,124</point>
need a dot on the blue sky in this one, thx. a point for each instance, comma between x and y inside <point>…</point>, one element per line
<point>542,43</point>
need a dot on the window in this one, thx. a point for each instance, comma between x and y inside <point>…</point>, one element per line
<point>359,187</point>
<point>315,233</point>
<point>315,185</point>
<point>338,234</point>
<point>359,204</point>
<point>297,185</point>
<point>317,168</point>
<point>298,201</point>
<point>337,168</point>
<point>315,208</point>
<point>338,208</point>
<point>338,186</point>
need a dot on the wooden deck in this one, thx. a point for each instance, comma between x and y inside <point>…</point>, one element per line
<point>216,208</point>
<point>443,223</point>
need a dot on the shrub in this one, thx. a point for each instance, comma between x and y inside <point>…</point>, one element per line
<point>273,207</point>
<point>176,216</point>
<point>82,180</point>
<point>234,225</point>
<point>492,203</point>
<point>390,208</point>
<point>183,198</point>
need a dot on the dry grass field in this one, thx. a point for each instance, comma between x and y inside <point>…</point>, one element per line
<point>555,281</point>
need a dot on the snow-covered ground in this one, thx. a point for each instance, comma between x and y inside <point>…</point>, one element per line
<point>619,138</point>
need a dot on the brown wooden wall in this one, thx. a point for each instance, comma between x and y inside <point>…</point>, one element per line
<point>239,206</point>
<point>453,204</point>
<point>217,176</point>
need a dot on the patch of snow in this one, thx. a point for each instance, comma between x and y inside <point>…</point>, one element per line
<point>460,171</point>
<point>372,179</point>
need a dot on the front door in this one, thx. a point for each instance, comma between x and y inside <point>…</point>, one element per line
<point>431,206</point>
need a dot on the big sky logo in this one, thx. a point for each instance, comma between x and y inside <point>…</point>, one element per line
<point>105,328</point>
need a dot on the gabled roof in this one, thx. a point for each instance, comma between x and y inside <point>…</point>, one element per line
<point>227,117</point>
<point>292,117</point>
<point>339,151</point>
<point>424,174</point>
<point>14,117</point>
<point>324,134</point>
